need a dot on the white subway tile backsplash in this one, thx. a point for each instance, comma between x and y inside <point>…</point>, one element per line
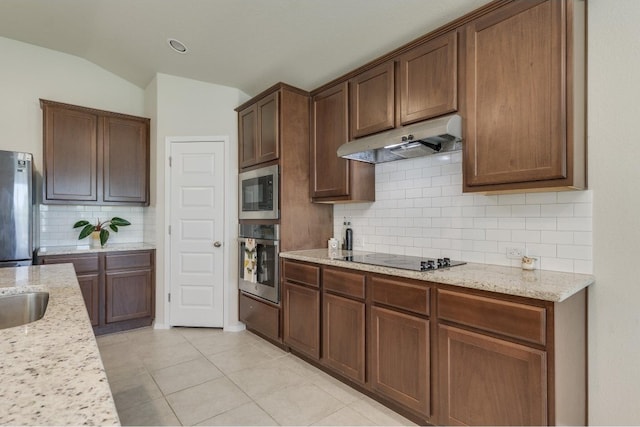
<point>420,210</point>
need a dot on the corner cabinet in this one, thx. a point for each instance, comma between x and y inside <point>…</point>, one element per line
<point>94,157</point>
<point>118,287</point>
<point>523,90</point>
<point>334,179</point>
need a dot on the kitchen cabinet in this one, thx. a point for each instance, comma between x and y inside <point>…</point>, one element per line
<point>118,287</point>
<point>260,316</point>
<point>301,308</point>
<point>334,179</point>
<point>258,131</point>
<point>372,101</point>
<point>429,79</point>
<point>94,157</point>
<point>523,90</point>
<point>343,323</point>
<point>400,345</point>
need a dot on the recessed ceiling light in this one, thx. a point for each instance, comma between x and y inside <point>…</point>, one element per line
<point>177,45</point>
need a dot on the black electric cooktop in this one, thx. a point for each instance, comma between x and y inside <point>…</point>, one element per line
<point>403,262</point>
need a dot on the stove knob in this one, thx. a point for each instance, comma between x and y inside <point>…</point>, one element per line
<point>423,266</point>
<point>431,265</point>
<point>447,261</point>
<point>440,263</point>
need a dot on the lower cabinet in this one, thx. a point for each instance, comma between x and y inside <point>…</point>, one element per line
<point>260,316</point>
<point>118,287</point>
<point>490,381</point>
<point>441,354</point>
<point>400,367</point>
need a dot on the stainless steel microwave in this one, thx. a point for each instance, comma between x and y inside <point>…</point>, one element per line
<point>259,193</point>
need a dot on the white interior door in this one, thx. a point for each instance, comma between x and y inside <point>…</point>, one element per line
<point>197,213</point>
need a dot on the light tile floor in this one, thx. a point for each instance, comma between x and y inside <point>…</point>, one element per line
<point>200,376</point>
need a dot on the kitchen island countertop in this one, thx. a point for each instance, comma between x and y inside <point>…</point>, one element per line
<point>50,370</point>
<point>539,284</point>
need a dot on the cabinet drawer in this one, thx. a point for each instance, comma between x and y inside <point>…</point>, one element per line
<point>304,274</point>
<point>343,282</point>
<point>401,294</point>
<point>117,261</point>
<point>260,316</point>
<point>82,264</point>
<point>507,318</point>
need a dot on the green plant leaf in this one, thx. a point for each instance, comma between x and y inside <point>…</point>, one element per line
<point>80,223</point>
<point>86,231</point>
<point>113,227</point>
<point>120,222</point>
<point>104,236</point>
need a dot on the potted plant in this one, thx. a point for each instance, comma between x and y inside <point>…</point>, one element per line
<point>100,228</point>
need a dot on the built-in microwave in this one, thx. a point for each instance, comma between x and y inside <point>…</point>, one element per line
<point>259,194</point>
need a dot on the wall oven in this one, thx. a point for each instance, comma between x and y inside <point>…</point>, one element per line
<point>259,248</point>
<point>259,193</point>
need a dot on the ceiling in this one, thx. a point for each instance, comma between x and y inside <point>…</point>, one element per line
<point>247,44</point>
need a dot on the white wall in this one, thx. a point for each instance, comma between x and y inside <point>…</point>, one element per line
<point>420,210</point>
<point>614,163</point>
<point>191,108</point>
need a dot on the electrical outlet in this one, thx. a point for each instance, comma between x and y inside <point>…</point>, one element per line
<point>515,253</point>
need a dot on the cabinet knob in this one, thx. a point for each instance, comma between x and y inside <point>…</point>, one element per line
<point>217,244</point>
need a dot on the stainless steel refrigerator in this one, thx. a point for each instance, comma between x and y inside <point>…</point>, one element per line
<point>16,209</point>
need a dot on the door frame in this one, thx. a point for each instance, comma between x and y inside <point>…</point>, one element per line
<point>229,244</point>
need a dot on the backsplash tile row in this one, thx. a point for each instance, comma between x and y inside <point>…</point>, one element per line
<point>420,210</point>
<point>56,223</point>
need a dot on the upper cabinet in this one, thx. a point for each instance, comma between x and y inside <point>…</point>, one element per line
<point>523,97</point>
<point>334,179</point>
<point>371,97</point>
<point>258,131</point>
<point>429,79</point>
<point>94,157</point>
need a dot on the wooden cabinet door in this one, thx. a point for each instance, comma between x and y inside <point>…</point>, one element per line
<point>429,80</point>
<point>90,288</point>
<point>329,173</point>
<point>372,101</point>
<point>128,295</point>
<point>400,361</point>
<point>70,155</point>
<point>343,336</point>
<point>515,95</point>
<point>260,316</point>
<point>126,160</point>
<point>268,130</point>
<point>489,381</point>
<point>301,307</point>
<point>247,136</point>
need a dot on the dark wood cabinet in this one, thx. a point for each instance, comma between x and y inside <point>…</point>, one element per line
<point>260,316</point>
<point>523,82</point>
<point>372,101</point>
<point>429,79</point>
<point>94,157</point>
<point>301,316</point>
<point>334,179</point>
<point>118,287</point>
<point>259,131</point>
<point>490,381</point>
<point>400,358</point>
<point>343,323</point>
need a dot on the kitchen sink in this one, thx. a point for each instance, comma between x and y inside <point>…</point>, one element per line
<point>20,309</point>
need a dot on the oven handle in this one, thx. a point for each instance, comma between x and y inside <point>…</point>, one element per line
<point>264,242</point>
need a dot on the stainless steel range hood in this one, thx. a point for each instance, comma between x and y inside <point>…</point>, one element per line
<point>421,139</point>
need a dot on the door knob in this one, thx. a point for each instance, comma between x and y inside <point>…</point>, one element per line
<point>217,244</point>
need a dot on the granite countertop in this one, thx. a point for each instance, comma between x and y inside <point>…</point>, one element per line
<point>85,249</point>
<point>539,284</point>
<point>50,370</point>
